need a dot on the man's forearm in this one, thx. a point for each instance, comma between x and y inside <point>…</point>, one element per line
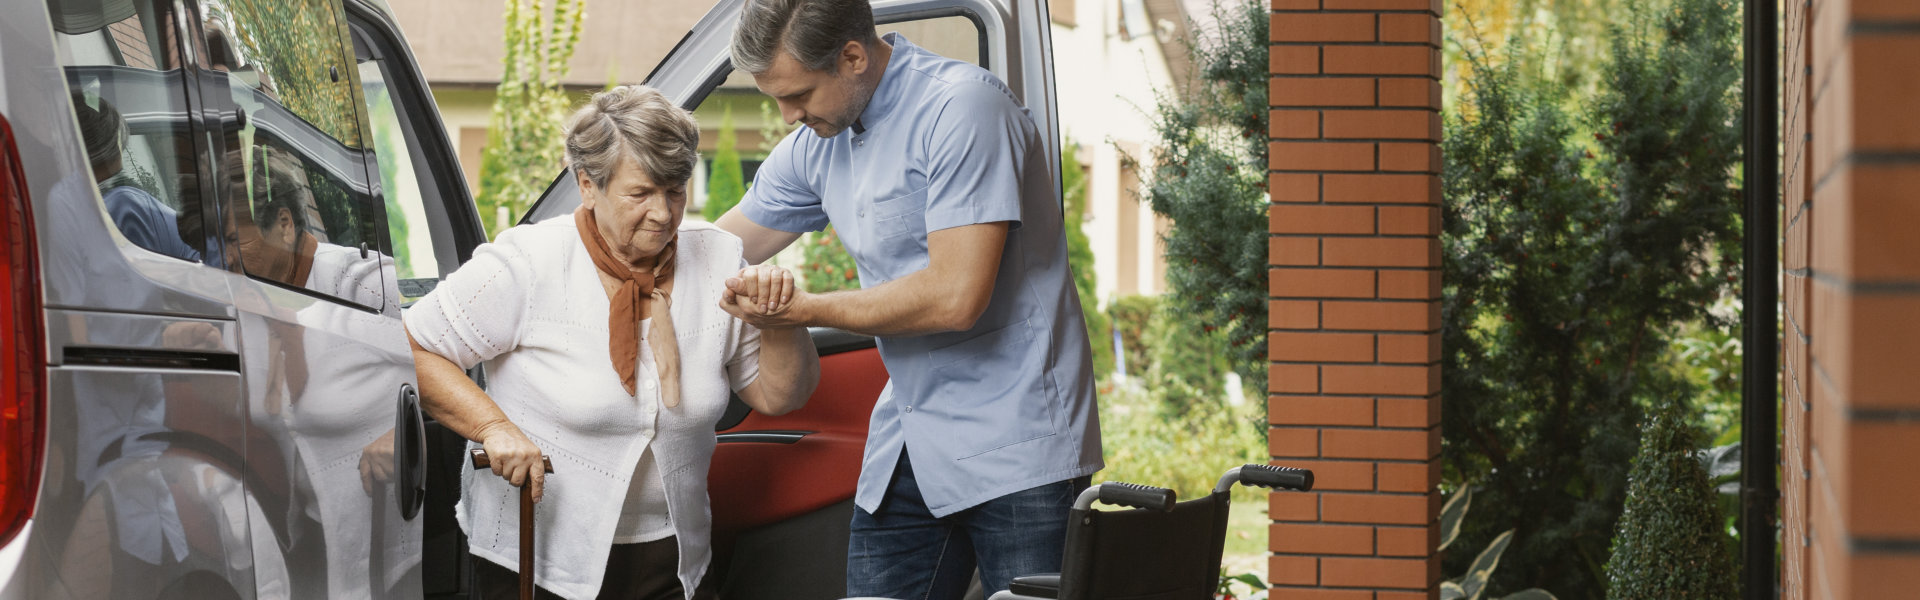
<point>918,304</point>
<point>948,295</point>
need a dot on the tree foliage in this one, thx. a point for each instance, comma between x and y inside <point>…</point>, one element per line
<point>725,183</point>
<point>1209,179</point>
<point>1132,315</point>
<point>1669,544</point>
<point>1576,244</point>
<point>1572,34</point>
<point>525,133</point>
<point>305,72</point>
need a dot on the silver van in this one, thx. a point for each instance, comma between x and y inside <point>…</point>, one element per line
<point>212,213</point>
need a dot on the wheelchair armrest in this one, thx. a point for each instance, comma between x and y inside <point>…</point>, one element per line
<point>1044,585</point>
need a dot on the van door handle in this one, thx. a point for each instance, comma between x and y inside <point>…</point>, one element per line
<point>410,453</point>
<point>764,436</point>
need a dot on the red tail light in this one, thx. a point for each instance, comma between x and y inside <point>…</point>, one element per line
<point>23,361</point>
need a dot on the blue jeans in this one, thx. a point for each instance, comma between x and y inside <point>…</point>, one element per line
<point>906,553</point>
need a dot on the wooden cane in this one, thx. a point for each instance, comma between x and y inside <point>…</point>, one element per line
<point>480,461</point>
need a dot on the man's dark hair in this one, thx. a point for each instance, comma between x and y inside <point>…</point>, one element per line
<point>101,128</point>
<point>812,31</point>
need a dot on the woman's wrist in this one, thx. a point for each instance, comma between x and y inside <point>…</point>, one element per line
<point>488,430</point>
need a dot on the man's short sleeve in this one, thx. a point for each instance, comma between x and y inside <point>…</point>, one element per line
<point>780,197</point>
<point>979,143</point>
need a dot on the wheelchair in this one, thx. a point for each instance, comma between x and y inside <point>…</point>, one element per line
<point>1161,549</point>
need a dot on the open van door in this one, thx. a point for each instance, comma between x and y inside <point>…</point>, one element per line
<point>782,487</point>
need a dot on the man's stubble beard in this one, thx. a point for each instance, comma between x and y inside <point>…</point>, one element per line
<point>845,119</point>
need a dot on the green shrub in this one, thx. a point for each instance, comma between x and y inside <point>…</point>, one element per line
<point>1186,452</point>
<point>1669,544</point>
<point>725,182</point>
<point>1188,360</point>
<point>1472,585</point>
<point>1130,314</point>
<point>828,267</point>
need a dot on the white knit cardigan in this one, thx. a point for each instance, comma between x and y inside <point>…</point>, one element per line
<point>531,306</point>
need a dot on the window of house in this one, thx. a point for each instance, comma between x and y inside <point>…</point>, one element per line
<point>127,90</point>
<point>1133,20</point>
<point>1062,12</point>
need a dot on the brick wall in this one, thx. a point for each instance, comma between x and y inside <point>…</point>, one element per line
<point>1851,288</point>
<point>1355,287</point>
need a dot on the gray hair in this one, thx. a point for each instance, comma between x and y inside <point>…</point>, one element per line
<point>812,31</point>
<point>635,122</point>
<point>279,183</point>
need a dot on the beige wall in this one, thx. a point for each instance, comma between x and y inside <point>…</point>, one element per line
<point>1107,86</point>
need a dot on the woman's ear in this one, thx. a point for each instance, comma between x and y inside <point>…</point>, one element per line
<point>588,193</point>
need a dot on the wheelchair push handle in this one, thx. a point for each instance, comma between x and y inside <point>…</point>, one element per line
<point>1267,476</point>
<point>1130,495</point>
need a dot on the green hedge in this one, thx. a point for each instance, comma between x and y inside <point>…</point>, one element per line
<point>1669,544</point>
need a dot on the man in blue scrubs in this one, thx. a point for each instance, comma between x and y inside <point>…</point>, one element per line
<point>938,184</point>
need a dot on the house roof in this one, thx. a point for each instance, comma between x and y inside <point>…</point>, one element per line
<point>459,41</point>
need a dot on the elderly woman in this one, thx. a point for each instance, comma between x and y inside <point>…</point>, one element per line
<point>607,349</point>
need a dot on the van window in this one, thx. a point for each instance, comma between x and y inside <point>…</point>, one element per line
<point>125,84</point>
<point>412,195</point>
<point>298,205</point>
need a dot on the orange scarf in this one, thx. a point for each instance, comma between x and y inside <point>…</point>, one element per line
<point>631,304</point>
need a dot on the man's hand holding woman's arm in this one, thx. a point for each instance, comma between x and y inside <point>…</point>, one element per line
<point>789,364</point>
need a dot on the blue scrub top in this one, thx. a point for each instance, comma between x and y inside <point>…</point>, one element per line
<point>146,222</point>
<point>1009,404</point>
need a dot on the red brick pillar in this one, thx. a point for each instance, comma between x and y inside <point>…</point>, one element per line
<point>1355,285</point>
<point>1851,290</point>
